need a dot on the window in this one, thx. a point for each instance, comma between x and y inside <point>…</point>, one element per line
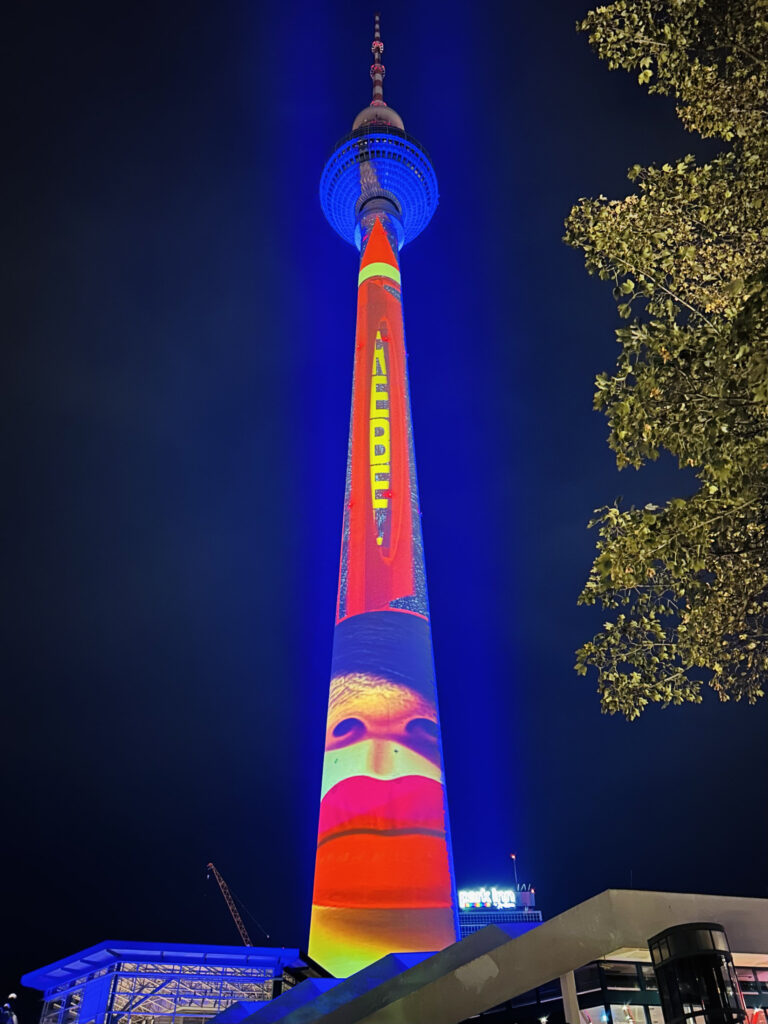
<point>626,1014</point>
<point>655,1015</point>
<point>595,1015</point>
<point>747,982</point>
<point>618,974</point>
<point>649,978</point>
<point>587,978</point>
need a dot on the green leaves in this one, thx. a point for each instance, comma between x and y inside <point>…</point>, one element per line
<point>711,55</point>
<point>687,255</point>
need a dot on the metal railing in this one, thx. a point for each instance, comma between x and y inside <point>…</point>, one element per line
<point>372,128</point>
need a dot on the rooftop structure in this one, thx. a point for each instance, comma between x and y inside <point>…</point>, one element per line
<point>498,904</point>
<point>159,983</point>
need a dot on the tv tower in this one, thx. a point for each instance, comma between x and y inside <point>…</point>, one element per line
<point>384,873</point>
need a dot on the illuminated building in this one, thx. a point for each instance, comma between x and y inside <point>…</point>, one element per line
<point>511,906</point>
<point>383,873</point>
<point>161,983</point>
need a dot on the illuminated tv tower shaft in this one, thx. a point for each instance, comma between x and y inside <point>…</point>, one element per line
<point>383,874</point>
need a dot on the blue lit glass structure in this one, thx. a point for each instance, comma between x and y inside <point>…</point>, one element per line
<point>158,983</point>
<point>397,170</point>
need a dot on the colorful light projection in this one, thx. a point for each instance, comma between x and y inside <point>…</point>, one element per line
<point>383,875</point>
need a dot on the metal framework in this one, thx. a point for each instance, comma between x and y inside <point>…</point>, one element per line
<point>231,904</point>
<point>473,920</point>
<point>163,994</point>
<point>142,983</point>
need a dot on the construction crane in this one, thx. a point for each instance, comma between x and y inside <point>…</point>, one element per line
<point>231,904</point>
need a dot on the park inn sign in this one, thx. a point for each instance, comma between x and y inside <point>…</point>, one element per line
<point>491,897</point>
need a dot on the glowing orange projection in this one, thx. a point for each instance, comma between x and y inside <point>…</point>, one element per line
<point>383,876</point>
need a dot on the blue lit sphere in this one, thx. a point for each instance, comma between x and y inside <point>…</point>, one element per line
<point>378,161</point>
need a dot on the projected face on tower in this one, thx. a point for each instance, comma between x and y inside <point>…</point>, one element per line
<point>381,839</point>
<point>379,728</point>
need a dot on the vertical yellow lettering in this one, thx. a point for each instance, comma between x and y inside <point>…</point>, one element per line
<point>379,436</point>
<point>379,482</point>
<point>379,393</point>
<point>379,363</point>
<point>379,441</point>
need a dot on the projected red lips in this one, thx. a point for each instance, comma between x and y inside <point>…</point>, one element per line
<point>361,804</point>
<point>381,843</point>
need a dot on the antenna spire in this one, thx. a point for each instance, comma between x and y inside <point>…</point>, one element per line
<point>377,68</point>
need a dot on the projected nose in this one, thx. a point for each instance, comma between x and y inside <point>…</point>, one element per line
<point>350,730</point>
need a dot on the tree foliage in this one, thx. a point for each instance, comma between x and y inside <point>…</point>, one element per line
<point>687,252</point>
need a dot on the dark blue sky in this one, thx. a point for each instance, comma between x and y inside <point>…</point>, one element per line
<point>175,400</point>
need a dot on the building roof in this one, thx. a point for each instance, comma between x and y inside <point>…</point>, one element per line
<point>112,951</point>
<point>488,967</point>
<point>237,1011</point>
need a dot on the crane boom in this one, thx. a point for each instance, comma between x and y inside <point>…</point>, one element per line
<point>231,904</point>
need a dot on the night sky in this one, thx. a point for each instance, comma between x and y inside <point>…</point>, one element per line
<point>177,362</point>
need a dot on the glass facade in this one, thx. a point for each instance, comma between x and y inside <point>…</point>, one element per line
<point>620,992</point>
<point>696,975</point>
<point>155,993</point>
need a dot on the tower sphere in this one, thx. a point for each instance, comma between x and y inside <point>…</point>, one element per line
<point>380,163</point>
